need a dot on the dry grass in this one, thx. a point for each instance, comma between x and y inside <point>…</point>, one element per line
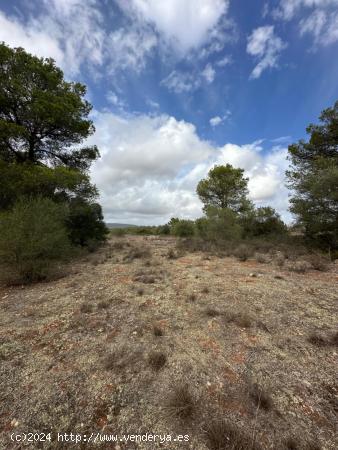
<point>300,266</point>
<point>83,352</point>
<point>262,258</point>
<point>241,319</point>
<point>222,434</point>
<point>211,312</point>
<point>261,397</point>
<point>157,360</point>
<point>86,308</point>
<point>181,403</point>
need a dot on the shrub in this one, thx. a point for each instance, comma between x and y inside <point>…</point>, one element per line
<point>157,360</point>
<point>261,258</point>
<point>85,223</point>
<point>183,228</point>
<point>222,434</point>
<point>182,403</point>
<point>243,252</point>
<point>280,259</point>
<point>298,266</point>
<point>319,262</point>
<point>33,238</point>
<point>218,225</point>
<point>261,397</point>
<point>263,221</point>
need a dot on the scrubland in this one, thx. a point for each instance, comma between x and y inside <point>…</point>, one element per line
<point>147,336</point>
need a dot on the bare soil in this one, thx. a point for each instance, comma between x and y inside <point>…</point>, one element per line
<point>111,346</point>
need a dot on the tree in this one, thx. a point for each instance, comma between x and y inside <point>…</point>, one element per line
<point>225,187</point>
<point>263,221</point>
<point>42,116</point>
<point>59,183</point>
<point>313,177</point>
<point>43,121</point>
<point>85,223</point>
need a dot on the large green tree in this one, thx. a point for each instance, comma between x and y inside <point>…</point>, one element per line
<point>42,116</point>
<point>225,187</point>
<point>43,121</point>
<point>313,177</point>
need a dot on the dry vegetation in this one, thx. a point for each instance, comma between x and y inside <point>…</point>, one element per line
<point>144,337</point>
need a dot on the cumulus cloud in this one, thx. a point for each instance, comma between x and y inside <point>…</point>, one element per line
<point>185,24</point>
<point>265,46</point>
<point>150,167</point>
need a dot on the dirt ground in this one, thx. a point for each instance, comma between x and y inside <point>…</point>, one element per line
<point>135,340</point>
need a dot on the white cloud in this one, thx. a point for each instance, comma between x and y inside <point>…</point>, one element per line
<point>322,25</point>
<point>32,38</point>
<point>82,40</point>
<point>130,48</point>
<point>54,33</point>
<point>181,82</point>
<point>265,46</point>
<point>77,37</point>
<point>209,73</point>
<point>287,9</point>
<point>225,61</point>
<point>321,22</point>
<point>185,24</point>
<point>217,120</point>
<point>150,167</point>
<point>214,121</point>
<point>115,100</point>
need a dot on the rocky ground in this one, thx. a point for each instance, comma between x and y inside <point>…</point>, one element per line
<point>138,338</point>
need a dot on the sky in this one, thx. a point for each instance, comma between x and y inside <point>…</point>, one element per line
<point>178,86</point>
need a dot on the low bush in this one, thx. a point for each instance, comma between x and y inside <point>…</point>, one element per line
<point>33,239</point>
<point>182,403</point>
<point>222,434</point>
<point>300,266</point>
<point>319,262</point>
<point>242,252</point>
<point>183,228</point>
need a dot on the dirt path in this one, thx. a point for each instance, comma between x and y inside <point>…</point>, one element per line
<point>80,354</point>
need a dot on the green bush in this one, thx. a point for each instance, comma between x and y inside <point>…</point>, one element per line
<point>183,228</point>
<point>33,238</point>
<point>85,223</point>
<point>219,225</point>
<point>263,221</point>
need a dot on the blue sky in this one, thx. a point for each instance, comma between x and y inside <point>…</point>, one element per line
<point>180,85</point>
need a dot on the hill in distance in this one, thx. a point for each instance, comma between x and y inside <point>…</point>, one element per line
<point>119,225</point>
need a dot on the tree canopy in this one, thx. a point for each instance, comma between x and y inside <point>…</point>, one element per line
<point>42,116</point>
<point>43,121</point>
<point>225,187</point>
<point>313,177</point>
